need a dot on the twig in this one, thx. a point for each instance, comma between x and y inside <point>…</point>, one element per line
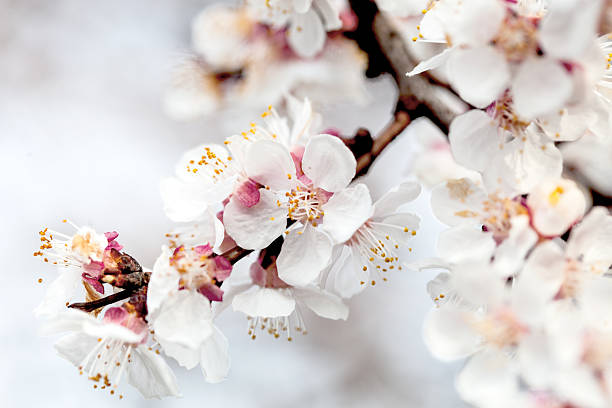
<point>107,300</point>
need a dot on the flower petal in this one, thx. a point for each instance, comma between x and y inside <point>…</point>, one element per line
<point>270,164</point>
<point>215,359</point>
<point>264,302</point>
<point>303,256</point>
<point>541,86</point>
<point>306,34</point>
<point>473,139</point>
<point>346,211</point>
<point>480,75</point>
<point>328,163</point>
<point>396,197</point>
<point>150,374</point>
<point>185,318</point>
<point>322,303</point>
<point>257,226</point>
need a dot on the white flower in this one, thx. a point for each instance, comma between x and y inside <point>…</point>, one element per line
<point>376,243</point>
<point>511,154</point>
<point>80,258</point>
<point>104,350</point>
<point>178,300</point>
<point>493,49</point>
<point>307,21</point>
<point>309,177</point>
<point>275,306</point>
<point>465,202</point>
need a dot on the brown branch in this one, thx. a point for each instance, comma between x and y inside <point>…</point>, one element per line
<point>96,304</point>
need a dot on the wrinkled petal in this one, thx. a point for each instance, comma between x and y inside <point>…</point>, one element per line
<point>150,374</point>
<point>480,75</point>
<point>185,318</point>
<point>215,359</point>
<point>396,197</point>
<point>473,139</point>
<point>264,302</point>
<point>270,164</point>
<point>328,163</point>
<point>255,227</point>
<point>303,256</point>
<point>346,211</point>
<point>322,303</point>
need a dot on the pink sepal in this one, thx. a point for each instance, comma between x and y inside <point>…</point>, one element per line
<point>212,292</point>
<point>223,268</point>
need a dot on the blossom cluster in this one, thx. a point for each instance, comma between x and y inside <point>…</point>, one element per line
<point>282,188</point>
<point>275,221</point>
<point>262,50</point>
<point>524,293</point>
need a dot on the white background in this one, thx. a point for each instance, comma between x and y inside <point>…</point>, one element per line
<point>83,136</point>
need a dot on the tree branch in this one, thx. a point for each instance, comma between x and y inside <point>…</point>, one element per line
<point>96,304</point>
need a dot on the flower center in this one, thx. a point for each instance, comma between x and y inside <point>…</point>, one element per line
<point>209,164</point>
<point>305,204</point>
<point>517,37</point>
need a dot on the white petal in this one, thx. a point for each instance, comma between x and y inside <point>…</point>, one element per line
<point>185,318</point>
<point>348,278</point>
<point>465,242</point>
<point>186,201</point>
<point>346,211</point>
<point>480,75</point>
<point>596,303</point>
<point>164,280</point>
<point>432,63</point>
<point>328,163</point>
<point>74,347</point>
<point>150,374</point>
<point>306,34</point>
<point>522,163</point>
<point>487,378</point>
<point>322,303</point>
<point>447,335</point>
<point>215,359</point>
<point>184,356</point>
<point>541,86</point>
<point>329,14</point>
<point>537,366</point>
<point>301,6</point>
<point>568,30</point>
<point>396,197</point>
<point>270,164</point>
<point>511,253</point>
<point>264,302</point>
<point>458,202</point>
<point>581,388</point>
<point>474,139</point>
<point>591,240</point>
<point>255,227</point>
<point>60,291</point>
<point>303,256</point>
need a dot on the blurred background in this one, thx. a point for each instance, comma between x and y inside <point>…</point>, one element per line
<point>83,136</point>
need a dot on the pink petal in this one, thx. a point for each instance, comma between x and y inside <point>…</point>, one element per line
<point>223,268</point>
<point>212,292</point>
<point>205,250</point>
<point>247,193</point>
